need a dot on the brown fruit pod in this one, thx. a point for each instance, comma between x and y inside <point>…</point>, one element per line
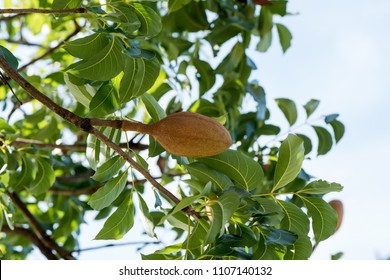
<point>338,206</point>
<point>191,134</point>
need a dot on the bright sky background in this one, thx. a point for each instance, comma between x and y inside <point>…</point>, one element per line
<point>339,55</point>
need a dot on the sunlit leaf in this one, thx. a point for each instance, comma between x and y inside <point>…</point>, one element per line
<point>291,155</point>
<point>102,66</point>
<point>323,215</point>
<point>82,93</point>
<point>245,171</point>
<point>205,174</point>
<point>147,219</point>
<point>155,111</point>
<point>285,36</point>
<point>44,178</point>
<point>138,76</point>
<point>321,187</point>
<point>66,4</point>
<point>289,109</point>
<point>88,46</point>
<point>311,106</point>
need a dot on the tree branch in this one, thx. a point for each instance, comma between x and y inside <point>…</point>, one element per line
<point>85,125</point>
<point>35,225</point>
<point>30,235</point>
<point>21,142</point>
<point>43,11</point>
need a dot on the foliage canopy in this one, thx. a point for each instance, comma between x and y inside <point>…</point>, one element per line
<point>143,61</point>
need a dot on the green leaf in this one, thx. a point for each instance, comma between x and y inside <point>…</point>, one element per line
<point>139,75</point>
<point>66,4</point>
<point>26,175</point>
<point>321,187</point>
<point>174,5</point>
<point>106,195</point>
<point>290,159</point>
<point>185,202</point>
<point>308,146</point>
<point>264,43</point>
<point>147,219</point>
<point>109,169</point>
<point>154,109</point>
<point>198,234</point>
<point>82,93</point>
<point>9,57</point>
<point>205,75</point>
<point>120,222</point>
<point>239,167</point>
<point>44,178</point>
<point>229,201</point>
<point>331,117</point>
<point>5,127</point>
<point>280,237</point>
<point>338,129</point>
<point>285,36</point>
<point>88,46</point>
<point>311,106</point>
<point>102,66</point>
<point>289,109</point>
<point>325,141</point>
<point>150,21</point>
<point>324,217</point>
<point>103,102</point>
<point>232,60</point>
<point>205,175</point>
<point>216,216</point>
<point>295,220</point>
<point>300,250</point>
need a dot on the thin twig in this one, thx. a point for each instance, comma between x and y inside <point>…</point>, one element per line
<point>30,235</point>
<point>43,11</point>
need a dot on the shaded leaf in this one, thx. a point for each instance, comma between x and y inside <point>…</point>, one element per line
<point>120,222</point>
<point>338,129</point>
<point>300,250</point>
<point>9,57</point>
<point>174,5</point>
<point>290,159</point>
<point>106,195</point>
<point>154,109</point>
<point>109,169</point>
<point>325,141</point>
<point>103,102</point>
<point>280,237</point>
<point>295,220</point>
<point>66,4</point>
<point>307,144</point>
<point>150,20</point>
<point>205,75</point>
